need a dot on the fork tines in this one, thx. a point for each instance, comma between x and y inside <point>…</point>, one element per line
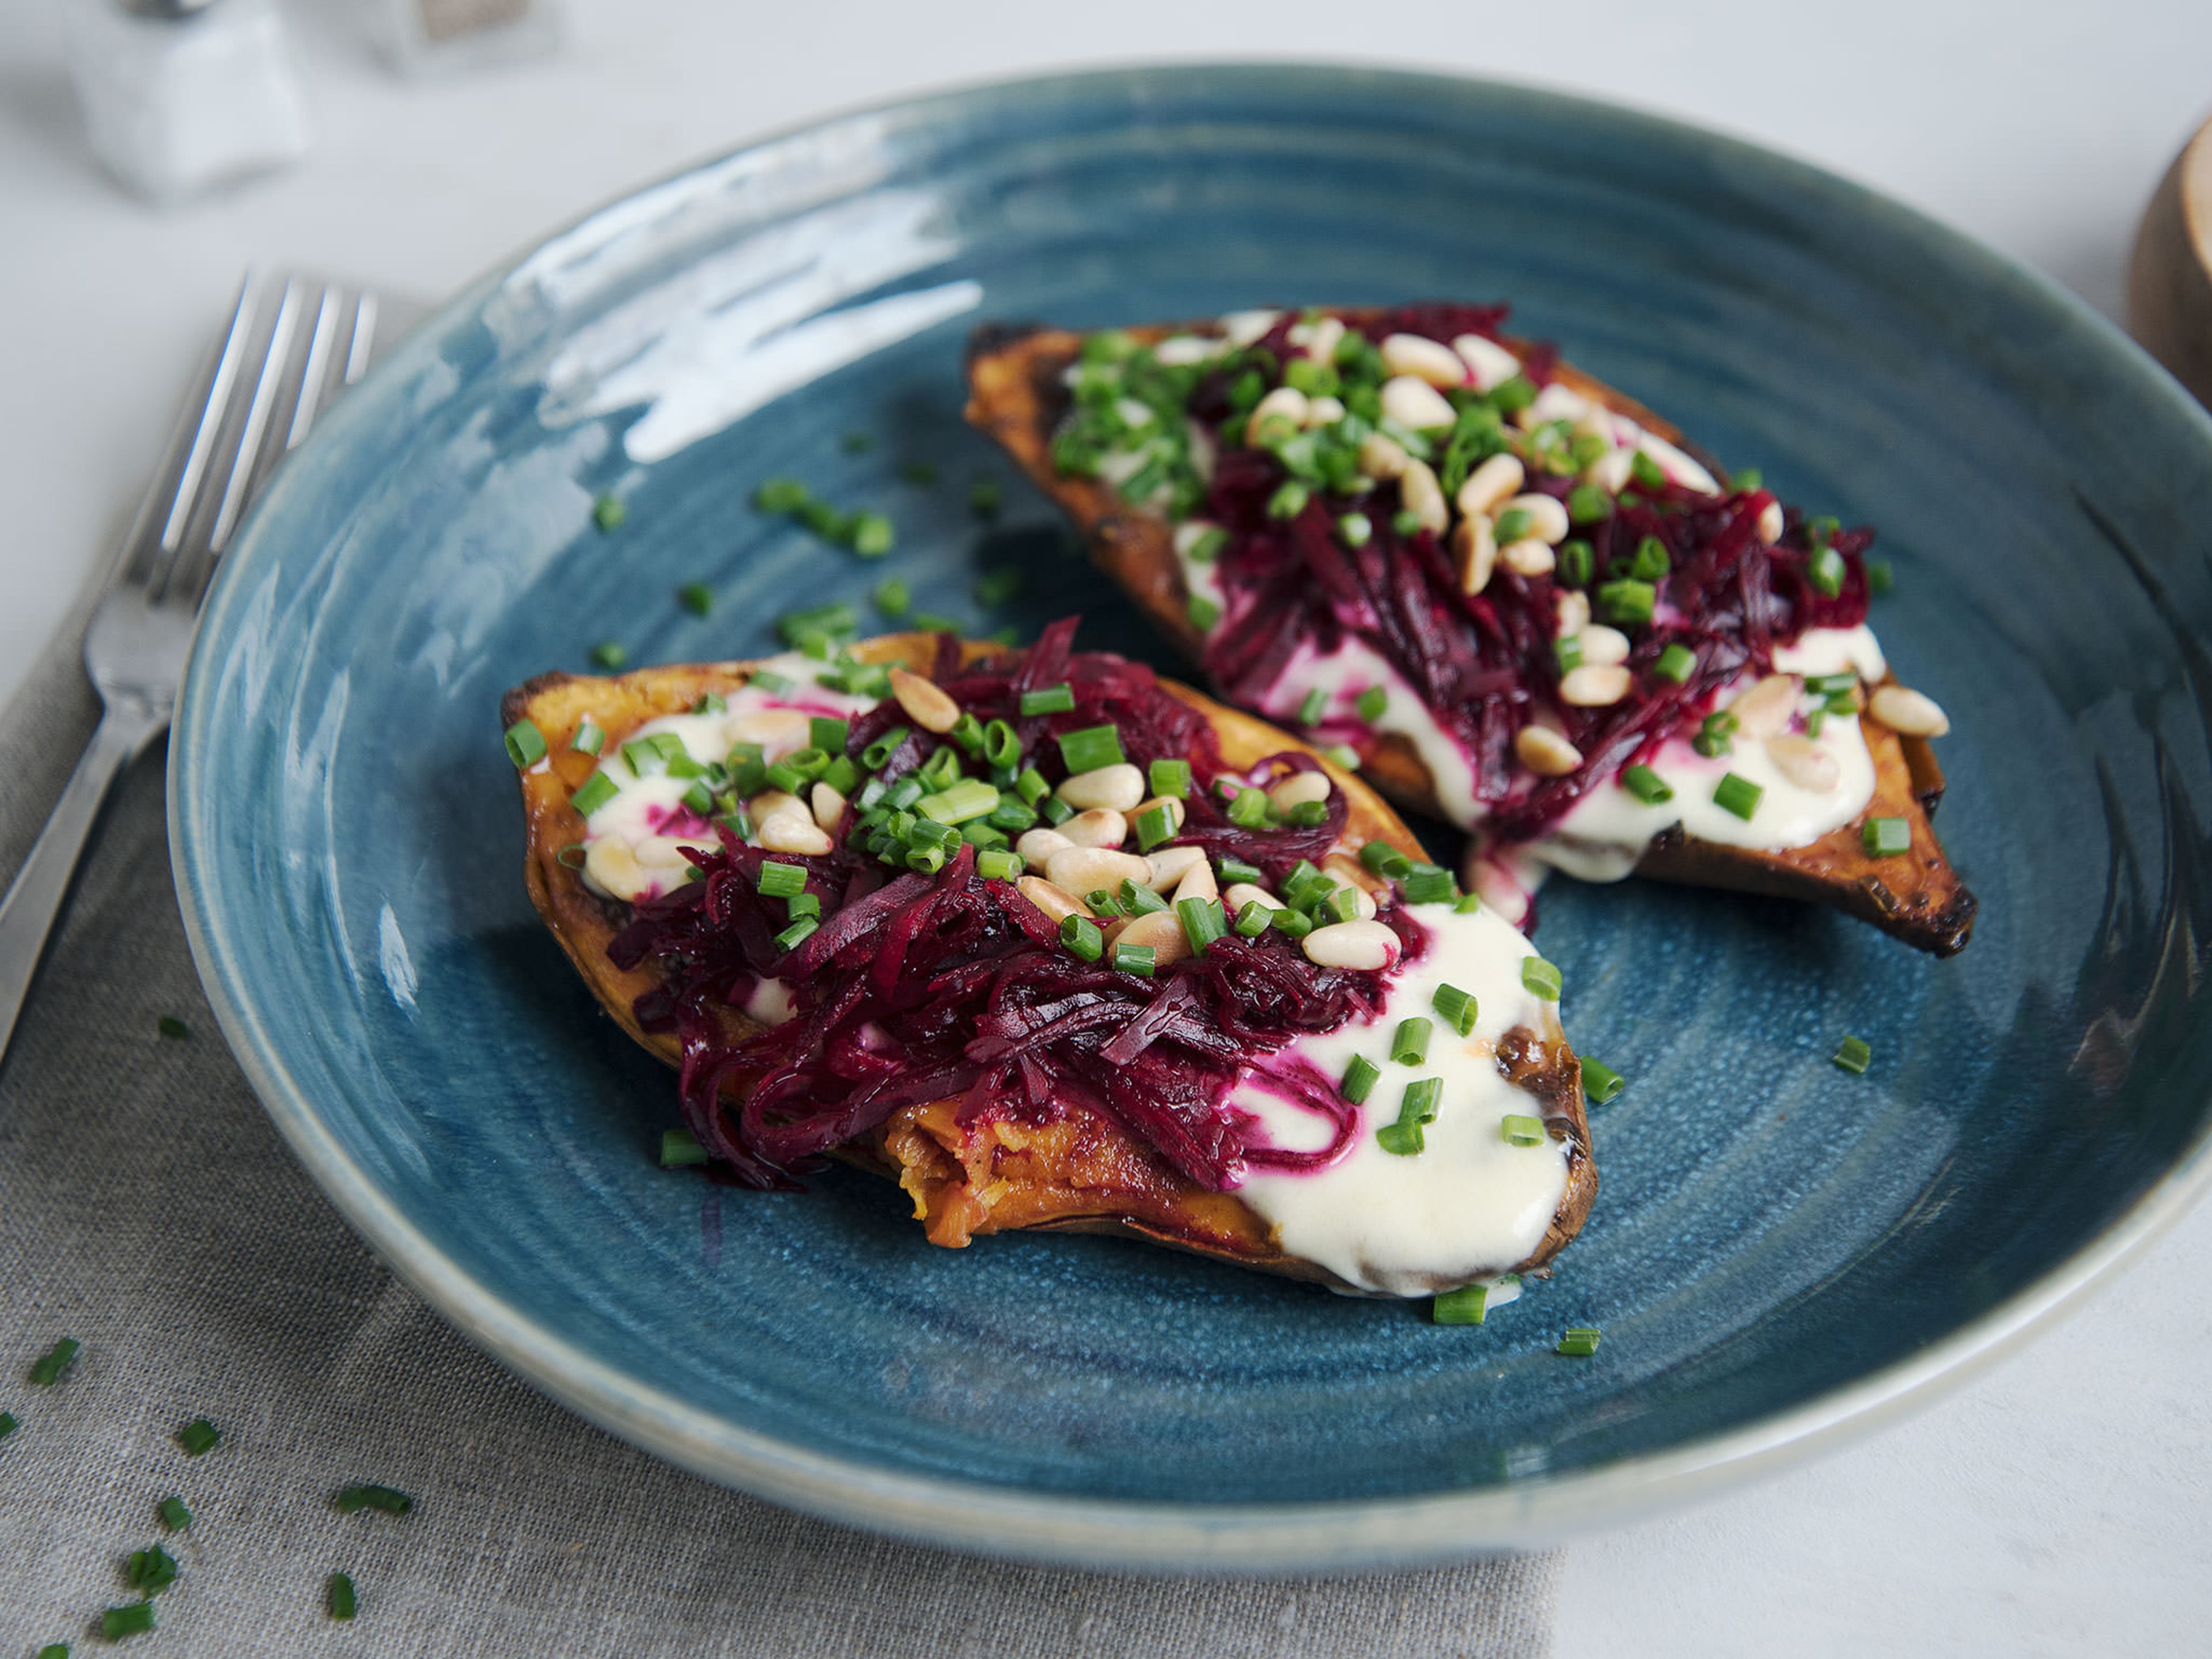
<point>292,343</point>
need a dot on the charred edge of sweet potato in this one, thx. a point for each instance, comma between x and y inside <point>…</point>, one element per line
<point>1155,1202</point>
<point>1017,396</point>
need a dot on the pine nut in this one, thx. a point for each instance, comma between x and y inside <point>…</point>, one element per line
<point>1175,810</point>
<point>1594,685</point>
<point>1055,901</point>
<point>790,832</point>
<point>1416,405</point>
<point>1087,869</point>
<point>1424,360</point>
<point>1602,646</point>
<point>1382,456</point>
<point>1528,556</point>
<point>1908,711</point>
<point>829,807</point>
<point>778,732</point>
<point>1285,404</point>
<point>1170,865</point>
<point>1100,827</point>
<point>1118,789</point>
<point>612,870</point>
<point>660,853</point>
<point>1298,787</point>
<point>1423,496</point>
<point>773,803</point>
<point>1324,411</point>
<point>1244,328</point>
<point>1038,845</point>
<point>925,705</point>
<point>1360,945</point>
<point>1243,893</point>
<point>1804,763</point>
<point>1496,480</point>
<point>1547,519</point>
<point>1190,532</point>
<point>1770,523</point>
<point>1162,930</point>
<point>1186,350</point>
<point>1197,882</point>
<point>1545,752</point>
<point>1476,546</point>
<point>1677,466</point>
<point>1318,338</point>
<point>1767,708</point>
<point>1490,363</point>
<point>1574,612</point>
<point>1610,472</point>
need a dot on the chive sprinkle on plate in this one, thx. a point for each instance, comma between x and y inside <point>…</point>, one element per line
<point>198,1435</point>
<point>50,1365</point>
<point>390,1499</point>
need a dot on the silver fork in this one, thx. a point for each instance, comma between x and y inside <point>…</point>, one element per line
<point>294,344</point>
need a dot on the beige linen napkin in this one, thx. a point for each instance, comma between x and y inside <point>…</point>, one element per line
<point>148,1209</point>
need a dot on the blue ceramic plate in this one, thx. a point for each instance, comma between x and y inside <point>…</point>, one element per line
<point>1779,1249</point>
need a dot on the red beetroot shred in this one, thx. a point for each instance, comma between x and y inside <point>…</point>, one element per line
<point>917,988</point>
<point>1483,663</point>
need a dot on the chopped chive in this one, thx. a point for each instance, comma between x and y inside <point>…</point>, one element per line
<point>1520,1131</point>
<point>1169,778</point>
<point>968,733</point>
<point>779,880</point>
<point>1513,523</point>
<point>47,1370</point>
<point>802,904</point>
<point>1737,794</point>
<point>151,1570</point>
<point>1055,810</point>
<point>390,1499</point>
<point>918,472</point>
<point>1154,825</point>
<point>172,1028</point>
<point>1232,870</point>
<point>608,512</point>
<point>775,685</point>
<point>1082,937</point>
<point>1579,1343</point>
<point>1676,664</point>
<point>1133,959</point>
<point>197,1436</point>
<point>1251,809</point>
<point>1881,576</point>
<point>994,587</point>
<point>1202,611</point>
<point>985,497</point>
<point>1252,920</point>
<point>1825,570</point>
<point>1051,700</point>
<point>1202,921</point>
<point>1569,653</point>
<point>54,1650</point>
<point>1470,904</point>
<point>1289,499</point>
<point>1418,1106</point>
<point>1359,1079</point>
<point>1386,860</point>
<point>1601,1083</point>
<point>590,737</point>
<point>1853,1055</point>
<point>696,598</point>
<point>593,794</point>
<point>1135,900</point>
<point>1646,471</point>
<point>1646,785</point>
<point>1429,884</point>
<point>8,1424</point>
<point>526,744</point>
<point>970,797</point>
<point>1465,1306</point>
<point>610,655</point>
<point>1750,478</point>
<point>343,1601</point>
<point>1295,923</point>
<point>1103,901</point>
<point>1090,748</point>
<point>130,1619</point>
<point>1587,503</point>
<point>924,860</point>
<point>994,864</point>
<point>1355,529</point>
<point>1371,703</point>
<point>1574,562</point>
<point>1314,706</point>
<point>877,753</point>
<point>1406,522</point>
<point>1306,814</point>
<point>781,496</point>
<point>1627,600</point>
<point>1001,748</point>
<point>1207,545</point>
<point>1409,1044</point>
<point>829,733</point>
<point>1540,978</point>
<point>1032,787</point>
<point>1651,560</point>
<point>1458,1008</point>
<point>795,935</point>
<point>936,622</point>
<point>679,1148</point>
<point>1885,838</point>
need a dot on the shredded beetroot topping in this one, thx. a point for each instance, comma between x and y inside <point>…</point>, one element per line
<point>1483,663</point>
<point>920,988</point>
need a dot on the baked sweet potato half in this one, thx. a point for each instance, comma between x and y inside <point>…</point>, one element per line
<point>1410,503</point>
<point>997,1110</point>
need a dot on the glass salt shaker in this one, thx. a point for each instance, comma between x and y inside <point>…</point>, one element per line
<point>180,95</point>
<point>432,37</point>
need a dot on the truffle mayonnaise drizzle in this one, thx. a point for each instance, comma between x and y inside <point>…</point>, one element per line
<point>1470,1205</point>
<point>634,841</point>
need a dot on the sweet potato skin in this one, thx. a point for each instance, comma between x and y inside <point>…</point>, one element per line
<point>1081,1174</point>
<point>1015,396</point>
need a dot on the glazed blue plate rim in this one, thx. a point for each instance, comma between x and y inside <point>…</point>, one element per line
<point>1094,1532</point>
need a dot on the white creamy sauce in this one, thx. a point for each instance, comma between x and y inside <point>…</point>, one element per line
<point>1202,578</point>
<point>642,808</point>
<point>1470,1205</point>
<point>1353,667</point>
<point>1832,650</point>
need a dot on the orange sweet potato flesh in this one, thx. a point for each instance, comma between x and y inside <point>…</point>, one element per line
<point>1080,1173</point>
<point>1016,395</point>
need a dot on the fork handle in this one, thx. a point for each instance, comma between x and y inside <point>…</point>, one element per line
<point>27,915</point>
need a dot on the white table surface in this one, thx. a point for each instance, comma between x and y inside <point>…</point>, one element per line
<point>2061,1503</point>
